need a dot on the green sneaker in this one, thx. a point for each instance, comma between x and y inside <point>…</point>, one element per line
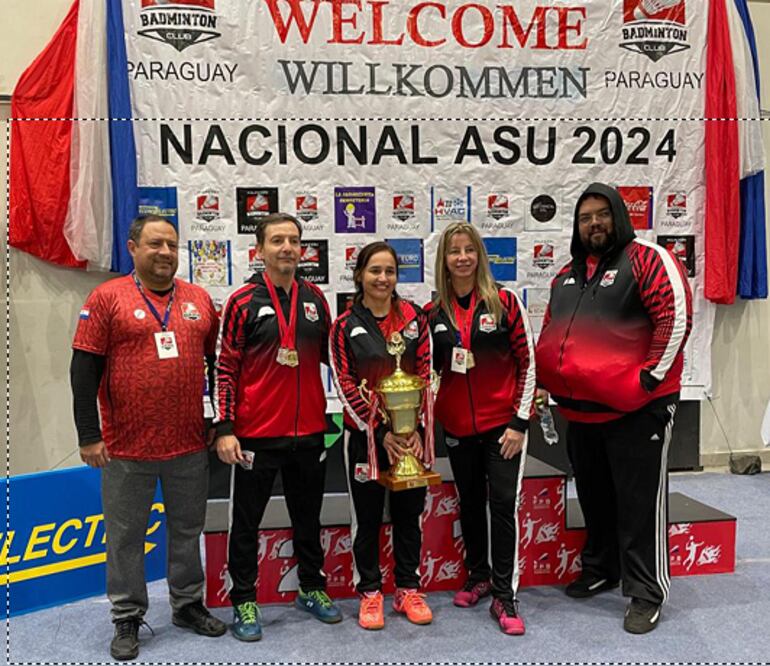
<point>246,621</point>
<point>318,603</point>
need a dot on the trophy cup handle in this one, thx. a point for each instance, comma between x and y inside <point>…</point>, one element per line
<point>365,393</point>
<point>366,396</point>
<point>435,382</point>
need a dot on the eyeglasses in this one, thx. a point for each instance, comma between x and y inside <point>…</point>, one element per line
<point>604,215</point>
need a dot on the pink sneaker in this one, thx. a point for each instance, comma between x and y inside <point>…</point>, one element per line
<point>507,616</point>
<point>472,593</point>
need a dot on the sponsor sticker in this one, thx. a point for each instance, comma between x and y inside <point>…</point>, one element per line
<point>683,248</point>
<point>410,259</point>
<point>676,204</point>
<point>497,206</point>
<point>354,210</point>
<point>655,28</point>
<point>254,203</point>
<point>180,23</point>
<point>502,258</point>
<point>638,200</point>
<point>543,254</point>
<point>314,261</point>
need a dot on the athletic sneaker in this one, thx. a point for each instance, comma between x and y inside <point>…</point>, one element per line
<point>125,642</point>
<point>588,585</point>
<point>318,604</point>
<point>370,611</point>
<point>506,612</point>
<point>412,603</point>
<point>641,616</point>
<point>246,622</point>
<point>472,593</point>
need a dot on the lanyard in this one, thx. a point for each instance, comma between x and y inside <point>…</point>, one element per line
<point>288,332</point>
<point>464,319</point>
<point>163,322</point>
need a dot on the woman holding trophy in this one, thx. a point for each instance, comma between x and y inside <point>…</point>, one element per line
<point>484,352</point>
<point>380,351</point>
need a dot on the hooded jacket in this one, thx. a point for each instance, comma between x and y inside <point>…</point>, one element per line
<point>612,343</point>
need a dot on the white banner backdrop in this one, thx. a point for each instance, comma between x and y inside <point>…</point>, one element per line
<point>390,119</point>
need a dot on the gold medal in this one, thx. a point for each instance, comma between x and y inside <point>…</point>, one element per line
<point>469,360</point>
<point>292,358</point>
<point>288,357</point>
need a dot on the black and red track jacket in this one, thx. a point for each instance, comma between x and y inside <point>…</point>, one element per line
<point>613,343</point>
<point>358,351</point>
<point>500,388</point>
<point>257,397</point>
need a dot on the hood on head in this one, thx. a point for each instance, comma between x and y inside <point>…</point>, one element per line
<point>624,232</point>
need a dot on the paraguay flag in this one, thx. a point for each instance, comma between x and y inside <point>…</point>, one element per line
<point>73,173</point>
<point>736,261</point>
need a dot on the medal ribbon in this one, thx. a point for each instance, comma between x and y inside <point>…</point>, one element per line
<point>163,322</point>
<point>288,332</point>
<point>464,319</point>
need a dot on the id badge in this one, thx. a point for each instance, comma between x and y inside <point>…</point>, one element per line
<point>361,472</point>
<point>165,342</point>
<point>460,360</point>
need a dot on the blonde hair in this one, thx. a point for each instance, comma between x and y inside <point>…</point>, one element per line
<point>485,283</point>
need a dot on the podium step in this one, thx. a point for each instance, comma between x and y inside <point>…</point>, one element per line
<point>551,537</point>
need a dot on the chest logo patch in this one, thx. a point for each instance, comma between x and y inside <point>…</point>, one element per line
<point>487,323</point>
<point>265,311</point>
<point>189,311</point>
<point>440,328</point>
<point>608,279</point>
<point>311,311</point>
<point>358,330</point>
<point>411,331</point>
<point>569,280</point>
<point>139,313</point>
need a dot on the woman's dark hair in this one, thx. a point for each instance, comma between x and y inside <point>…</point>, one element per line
<point>364,255</point>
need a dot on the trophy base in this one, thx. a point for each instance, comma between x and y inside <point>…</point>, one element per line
<point>395,483</point>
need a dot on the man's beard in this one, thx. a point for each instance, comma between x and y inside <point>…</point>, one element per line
<point>599,246</point>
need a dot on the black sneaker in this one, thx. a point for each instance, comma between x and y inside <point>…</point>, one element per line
<point>196,616</point>
<point>641,616</point>
<point>588,585</point>
<point>125,642</point>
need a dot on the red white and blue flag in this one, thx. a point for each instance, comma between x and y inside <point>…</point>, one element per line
<point>73,158</point>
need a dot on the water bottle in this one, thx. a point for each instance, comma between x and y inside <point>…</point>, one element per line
<point>546,421</point>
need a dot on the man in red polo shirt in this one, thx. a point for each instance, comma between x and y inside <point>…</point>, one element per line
<point>140,344</point>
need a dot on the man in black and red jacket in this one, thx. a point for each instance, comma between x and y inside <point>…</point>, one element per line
<point>271,413</point>
<point>611,355</point>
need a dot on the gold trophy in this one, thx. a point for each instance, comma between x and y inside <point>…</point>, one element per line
<point>401,394</point>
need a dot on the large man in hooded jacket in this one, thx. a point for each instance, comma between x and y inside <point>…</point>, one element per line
<point>611,355</point>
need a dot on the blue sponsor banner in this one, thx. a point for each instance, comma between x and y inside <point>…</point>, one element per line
<point>448,205</point>
<point>52,548</point>
<point>502,258</point>
<point>410,258</point>
<point>159,201</point>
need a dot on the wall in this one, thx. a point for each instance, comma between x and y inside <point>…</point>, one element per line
<point>45,300</point>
